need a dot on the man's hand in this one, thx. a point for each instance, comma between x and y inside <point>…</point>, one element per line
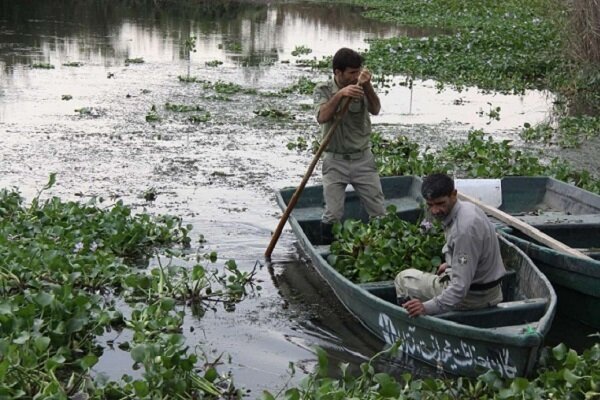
<point>364,77</point>
<point>414,307</point>
<point>353,91</point>
<point>442,268</point>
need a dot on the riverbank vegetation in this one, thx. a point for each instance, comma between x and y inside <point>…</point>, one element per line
<point>563,374</point>
<point>79,279</point>
<point>479,156</point>
<point>506,47</point>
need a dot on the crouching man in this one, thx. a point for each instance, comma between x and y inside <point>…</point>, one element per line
<point>472,272</point>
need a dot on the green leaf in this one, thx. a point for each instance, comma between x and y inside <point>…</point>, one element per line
<point>292,394</point>
<point>41,343</point>
<point>323,362</point>
<point>51,181</point>
<point>75,325</point>
<point>167,303</point>
<point>519,385</point>
<point>44,299</point>
<point>54,362</point>
<point>560,352</point>
<point>198,272</point>
<point>138,353</point>
<point>572,358</point>
<point>5,308</point>
<point>88,361</point>
<point>141,388</point>
<point>22,338</point>
<point>570,377</point>
<point>388,387</point>
<point>4,365</point>
<point>267,396</point>
<point>211,374</point>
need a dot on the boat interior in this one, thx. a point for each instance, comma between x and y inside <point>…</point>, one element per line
<point>518,311</point>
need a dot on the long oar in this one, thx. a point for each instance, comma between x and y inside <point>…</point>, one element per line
<point>311,167</point>
<point>524,227</point>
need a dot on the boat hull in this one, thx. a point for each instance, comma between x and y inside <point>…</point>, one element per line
<point>454,347</point>
<point>575,280</point>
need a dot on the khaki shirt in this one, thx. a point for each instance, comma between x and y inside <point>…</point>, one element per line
<point>353,134</point>
<point>472,251</point>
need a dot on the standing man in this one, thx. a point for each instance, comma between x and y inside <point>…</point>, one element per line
<point>471,276</point>
<point>348,158</point>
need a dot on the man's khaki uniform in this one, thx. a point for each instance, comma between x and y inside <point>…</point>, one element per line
<point>348,158</point>
<point>475,268</point>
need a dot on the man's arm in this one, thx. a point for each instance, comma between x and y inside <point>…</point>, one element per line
<point>374,103</point>
<point>328,109</point>
<point>373,99</point>
<point>465,258</point>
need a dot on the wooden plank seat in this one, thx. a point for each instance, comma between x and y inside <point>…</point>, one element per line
<point>560,218</point>
<point>516,312</point>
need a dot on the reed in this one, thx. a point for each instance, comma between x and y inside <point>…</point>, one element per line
<point>584,38</point>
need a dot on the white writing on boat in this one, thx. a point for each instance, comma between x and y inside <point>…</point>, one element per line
<point>452,356</point>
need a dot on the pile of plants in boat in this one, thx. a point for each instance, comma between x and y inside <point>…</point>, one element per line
<point>379,249</point>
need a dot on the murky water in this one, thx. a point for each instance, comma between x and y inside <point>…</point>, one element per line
<point>219,175</point>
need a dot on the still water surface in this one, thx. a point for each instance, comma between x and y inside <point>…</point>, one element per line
<point>218,175</point>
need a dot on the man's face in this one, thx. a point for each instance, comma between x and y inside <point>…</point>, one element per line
<point>347,77</point>
<point>440,207</point>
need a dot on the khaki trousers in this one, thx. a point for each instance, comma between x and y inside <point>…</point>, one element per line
<point>425,286</point>
<point>361,173</point>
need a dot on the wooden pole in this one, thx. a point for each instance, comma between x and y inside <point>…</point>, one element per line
<point>306,177</point>
<point>524,227</point>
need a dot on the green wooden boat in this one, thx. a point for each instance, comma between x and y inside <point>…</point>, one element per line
<point>575,280</point>
<point>570,215</point>
<point>506,338</point>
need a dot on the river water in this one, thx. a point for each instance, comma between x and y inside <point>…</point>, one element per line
<point>219,175</point>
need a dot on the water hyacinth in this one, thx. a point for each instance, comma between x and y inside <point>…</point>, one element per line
<point>68,296</point>
<point>379,249</point>
<point>426,226</point>
<point>78,247</point>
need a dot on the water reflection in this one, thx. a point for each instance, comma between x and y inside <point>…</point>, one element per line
<point>95,32</point>
<point>237,34</point>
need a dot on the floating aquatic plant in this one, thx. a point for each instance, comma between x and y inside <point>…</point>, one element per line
<point>42,66</point>
<point>73,64</point>
<point>301,50</point>
<point>138,60</point>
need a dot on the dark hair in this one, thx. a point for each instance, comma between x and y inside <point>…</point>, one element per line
<point>346,58</point>
<point>437,185</point>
